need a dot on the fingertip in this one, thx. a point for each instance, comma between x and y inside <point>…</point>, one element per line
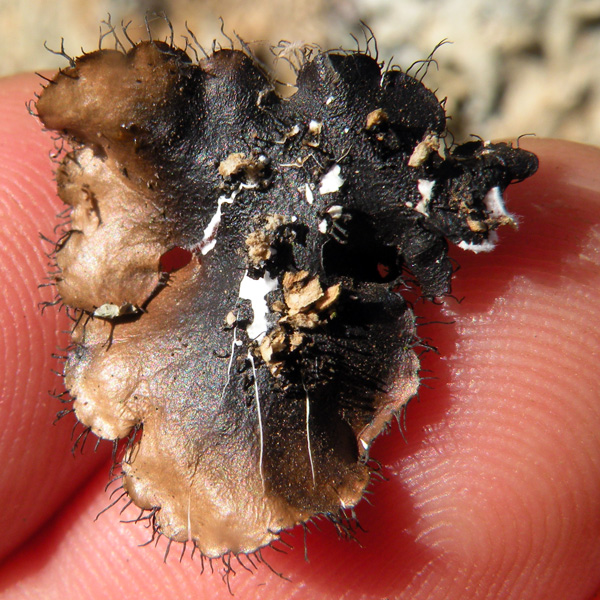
<point>34,474</point>
<point>502,461</point>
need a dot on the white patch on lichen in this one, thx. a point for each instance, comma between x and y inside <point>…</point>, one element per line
<point>485,246</point>
<point>256,291</point>
<point>310,198</point>
<point>323,226</point>
<point>113,311</point>
<point>329,100</point>
<point>494,203</point>
<point>209,240</point>
<point>335,211</point>
<point>425,187</point>
<point>315,127</point>
<point>332,181</point>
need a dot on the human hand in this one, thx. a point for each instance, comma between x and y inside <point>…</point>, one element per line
<point>494,494</point>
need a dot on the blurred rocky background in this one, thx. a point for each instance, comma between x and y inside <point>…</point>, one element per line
<point>514,66</point>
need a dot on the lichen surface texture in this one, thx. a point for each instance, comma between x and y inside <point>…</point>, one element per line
<point>236,262</point>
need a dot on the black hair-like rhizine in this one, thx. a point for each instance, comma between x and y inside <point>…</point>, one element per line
<point>237,262</point>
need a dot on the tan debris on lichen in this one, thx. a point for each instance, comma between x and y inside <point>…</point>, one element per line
<point>306,305</point>
<point>376,118</point>
<point>429,144</point>
<point>237,164</point>
<point>259,246</point>
<point>259,242</point>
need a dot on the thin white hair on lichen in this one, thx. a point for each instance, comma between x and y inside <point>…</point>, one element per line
<point>308,442</point>
<point>523,135</point>
<point>296,53</point>
<point>259,417</point>
<point>171,31</point>
<point>234,344</point>
<point>124,28</point>
<point>226,36</point>
<point>217,46</point>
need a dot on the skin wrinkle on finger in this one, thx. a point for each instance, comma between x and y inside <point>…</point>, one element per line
<point>434,575</point>
<point>31,447</point>
<point>80,549</point>
<point>522,445</point>
<point>531,431</point>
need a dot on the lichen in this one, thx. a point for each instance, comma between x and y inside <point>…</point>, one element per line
<point>261,369</point>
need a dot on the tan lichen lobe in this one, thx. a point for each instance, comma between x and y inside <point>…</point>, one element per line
<point>111,255</point>
<point>260,242</point>
<point>305,299</point>
<point>102,104</point>
<point>226,514</point>
<point>230,319</point>
<point>106,92</point>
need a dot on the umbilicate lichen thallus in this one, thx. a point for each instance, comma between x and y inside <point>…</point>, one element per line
<point>236,263</point>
